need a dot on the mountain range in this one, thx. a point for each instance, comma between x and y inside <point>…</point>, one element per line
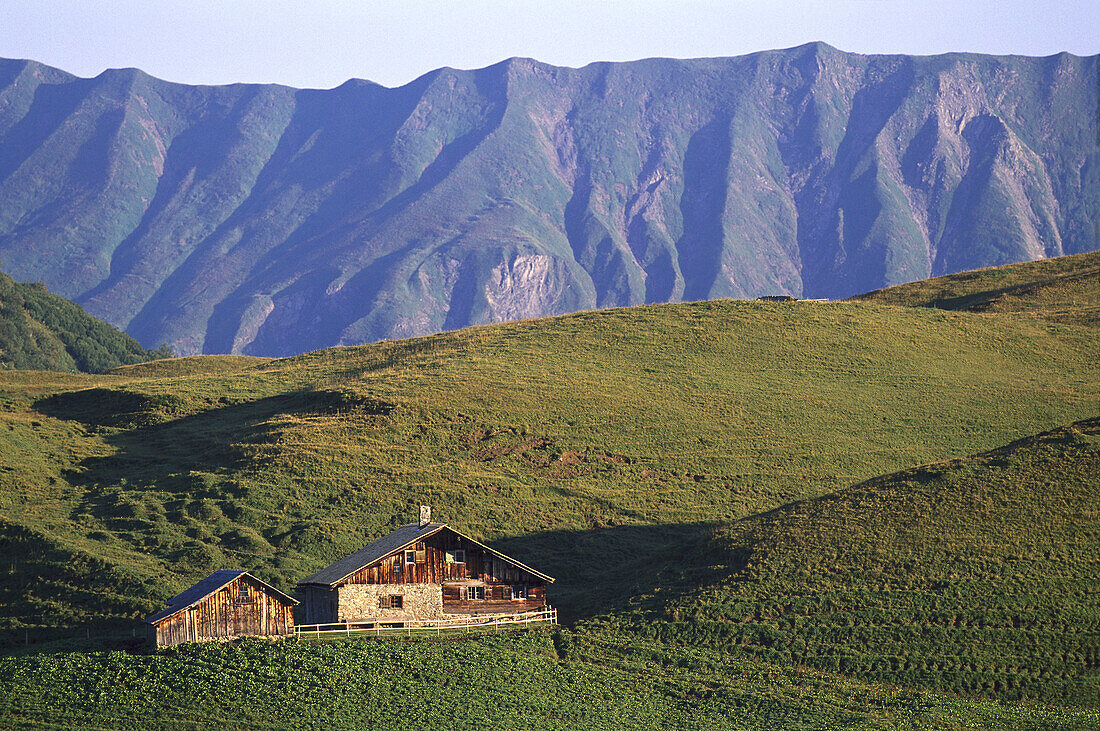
<point>266,220</point>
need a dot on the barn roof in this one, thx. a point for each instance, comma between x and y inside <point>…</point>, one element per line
<point>212,584</point>
<point>390,544</point>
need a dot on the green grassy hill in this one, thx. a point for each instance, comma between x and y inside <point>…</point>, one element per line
<point>976,575</point>
<point>645,422</point>
<point>1065,289</point>
<point>607,448</point>
<point>42,331</point>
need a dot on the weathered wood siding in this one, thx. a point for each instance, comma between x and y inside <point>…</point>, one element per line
<point>224,615</point>
<point>479,565</point>
<point>482,568</point>
<point>498,600</point>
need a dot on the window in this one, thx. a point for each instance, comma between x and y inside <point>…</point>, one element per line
<point>475,592</point>
<point>417,555</point>
<point>244,592</point>
<point>397,565</point>
<point>410,556</point>
<point>457,555</point>
<point>519,592</point>
<point>391,601</point>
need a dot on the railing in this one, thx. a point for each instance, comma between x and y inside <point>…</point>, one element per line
<point>465,623</point>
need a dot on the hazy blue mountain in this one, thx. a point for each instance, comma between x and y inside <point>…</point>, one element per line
<point>269,220</point>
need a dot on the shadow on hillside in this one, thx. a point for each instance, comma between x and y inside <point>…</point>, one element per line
<point>51,593</point>
<point>621,567</point>
<point>82,607</point>
<point>179,454</point>
<point>190,457</point>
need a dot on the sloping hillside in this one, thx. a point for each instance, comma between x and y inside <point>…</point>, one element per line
<point>647,457</point>
<point>42,331</point>
<point>270,221</point>
<point>1064,289</point>
<point>582,441</point>
<point>977,575</point>
<point>618,433</point>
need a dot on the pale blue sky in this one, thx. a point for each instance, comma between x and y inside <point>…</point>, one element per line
<point>323,43</point>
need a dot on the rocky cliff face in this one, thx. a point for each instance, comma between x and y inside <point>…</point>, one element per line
<point>269,220</point>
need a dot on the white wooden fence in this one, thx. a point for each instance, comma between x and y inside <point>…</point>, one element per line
<point>466,623</point>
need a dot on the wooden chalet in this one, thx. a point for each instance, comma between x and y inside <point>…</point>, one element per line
<point>421,571</point>
<point>224,605</point>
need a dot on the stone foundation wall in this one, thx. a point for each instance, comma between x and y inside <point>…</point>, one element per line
<point>420,601</point>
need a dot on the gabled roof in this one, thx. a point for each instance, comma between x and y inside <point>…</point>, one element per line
<point>365,556</point>
<point>390,544</point>
<point>212,584</point>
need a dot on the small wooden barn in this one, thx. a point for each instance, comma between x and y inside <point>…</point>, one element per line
<point>420,571</point>
<point>224,605</point>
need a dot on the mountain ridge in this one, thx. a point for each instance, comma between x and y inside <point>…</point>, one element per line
<point>813,45</point>
<point>266,220</point>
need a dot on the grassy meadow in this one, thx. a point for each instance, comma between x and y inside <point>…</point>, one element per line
<point>704,479</point>
<point>1064,289</point>
<point>974,576</point>
<point>656,419</point>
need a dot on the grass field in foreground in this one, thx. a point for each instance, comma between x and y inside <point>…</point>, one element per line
<point>532,680</point>
<point>977,576</point>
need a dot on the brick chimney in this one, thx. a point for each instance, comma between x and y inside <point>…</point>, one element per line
<point>425,515</point>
